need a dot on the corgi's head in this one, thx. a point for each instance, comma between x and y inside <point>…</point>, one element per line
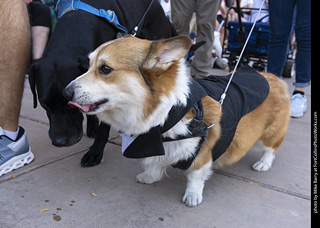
<point>133,83</point>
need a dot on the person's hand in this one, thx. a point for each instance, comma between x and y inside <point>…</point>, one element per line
<point>28,1</point>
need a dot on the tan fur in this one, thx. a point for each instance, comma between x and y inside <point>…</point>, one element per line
<point>161,85</point>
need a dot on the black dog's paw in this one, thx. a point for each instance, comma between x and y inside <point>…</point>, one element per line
<point>91,159</point>
<point>95,153</point>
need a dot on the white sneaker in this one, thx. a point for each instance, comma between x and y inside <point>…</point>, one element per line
<point>298,105</point>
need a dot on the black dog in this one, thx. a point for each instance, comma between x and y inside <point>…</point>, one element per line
<point>77,34</point>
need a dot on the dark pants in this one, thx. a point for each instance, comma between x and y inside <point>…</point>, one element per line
<point>281,20</point>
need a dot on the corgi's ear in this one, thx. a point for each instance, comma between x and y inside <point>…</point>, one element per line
<point>164,53</point>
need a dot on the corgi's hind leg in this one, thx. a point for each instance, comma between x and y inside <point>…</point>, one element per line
<point>265,162</point>
<point>270,141</point>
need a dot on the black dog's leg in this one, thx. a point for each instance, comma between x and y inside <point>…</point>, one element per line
<point>94,155</point>
<point>92,126</point>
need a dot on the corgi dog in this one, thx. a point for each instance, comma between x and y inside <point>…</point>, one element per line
<point>134,85</point>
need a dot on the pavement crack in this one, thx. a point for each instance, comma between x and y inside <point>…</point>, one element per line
<point>264,185</point>
<point>34,120</point>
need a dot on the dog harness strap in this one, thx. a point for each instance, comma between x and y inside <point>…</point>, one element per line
<point>197,128</point>
<point>64,6</point>
<point>178,112</point>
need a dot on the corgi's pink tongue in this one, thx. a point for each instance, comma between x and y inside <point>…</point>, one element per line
<point>84,108</point>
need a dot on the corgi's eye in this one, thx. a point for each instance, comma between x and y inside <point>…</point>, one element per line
<point>104,69</point>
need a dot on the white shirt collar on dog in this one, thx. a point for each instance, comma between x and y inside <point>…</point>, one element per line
<point>127,140</point>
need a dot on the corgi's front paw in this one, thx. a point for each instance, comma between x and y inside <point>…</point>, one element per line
<point>145,178</point>
<point>192,199</point>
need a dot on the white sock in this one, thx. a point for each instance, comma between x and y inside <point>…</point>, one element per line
<point>12,135</point>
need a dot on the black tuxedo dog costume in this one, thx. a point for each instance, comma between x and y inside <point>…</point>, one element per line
<point>248,89</point>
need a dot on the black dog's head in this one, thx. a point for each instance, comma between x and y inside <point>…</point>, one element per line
<point>48,77</point>
<point>75,35</point>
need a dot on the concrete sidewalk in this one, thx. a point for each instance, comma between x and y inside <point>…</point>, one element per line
<point>55,191</point>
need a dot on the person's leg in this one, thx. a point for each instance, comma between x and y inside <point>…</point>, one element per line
<point>280,19</point>
<point>181,14</point>
<point>14,49</point>
<point>303,39</point>
<point>206,21</point>
<point>298,104</point>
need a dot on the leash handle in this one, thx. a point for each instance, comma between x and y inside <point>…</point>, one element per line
<point>223,96</point>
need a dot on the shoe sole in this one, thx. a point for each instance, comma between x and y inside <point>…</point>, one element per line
<point>16,162</point>
<point>299,115</point>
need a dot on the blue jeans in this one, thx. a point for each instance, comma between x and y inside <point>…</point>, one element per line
<point>281,20</point>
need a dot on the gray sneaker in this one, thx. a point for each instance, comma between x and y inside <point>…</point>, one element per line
<point>298,105</point>
<point>14,154</point>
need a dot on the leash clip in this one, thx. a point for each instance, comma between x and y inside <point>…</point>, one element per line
<point>223,96</point>
<point>134,31</point>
